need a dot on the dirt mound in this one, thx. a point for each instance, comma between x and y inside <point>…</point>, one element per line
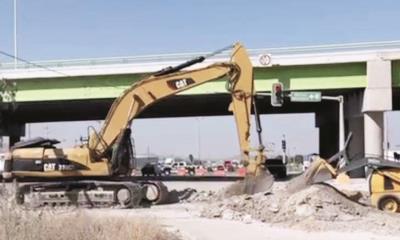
<point>320,202</point>
<point>235,189</point>
<point>316,208</point>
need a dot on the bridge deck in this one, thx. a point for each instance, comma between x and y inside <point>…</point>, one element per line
<point>300,68</point>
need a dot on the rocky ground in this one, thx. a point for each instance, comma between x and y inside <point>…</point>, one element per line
<point>316,208</point>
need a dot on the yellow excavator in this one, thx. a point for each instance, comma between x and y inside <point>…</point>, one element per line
<point>95,171</point>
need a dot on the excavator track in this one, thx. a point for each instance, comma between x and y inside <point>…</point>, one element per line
<point>83,193</point>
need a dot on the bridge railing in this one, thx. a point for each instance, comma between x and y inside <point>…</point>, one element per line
<point>180,57</point>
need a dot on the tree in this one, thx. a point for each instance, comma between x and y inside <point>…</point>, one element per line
<point>7,90</point>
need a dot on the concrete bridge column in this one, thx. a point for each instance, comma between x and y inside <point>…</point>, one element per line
<point>354,123</point>
<point>14,139</point>
<point>377,100</point>
<point>374,129</point>
<point>14,131</point>
<point>327,120</point>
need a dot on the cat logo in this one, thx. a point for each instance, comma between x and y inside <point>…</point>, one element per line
<point>179,83</point>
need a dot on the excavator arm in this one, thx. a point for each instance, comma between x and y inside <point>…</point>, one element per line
<point>167,83</point>
<point>173,80</point>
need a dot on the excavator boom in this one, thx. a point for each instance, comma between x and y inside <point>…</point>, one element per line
<point>163,84</point>
<point>172,80</point>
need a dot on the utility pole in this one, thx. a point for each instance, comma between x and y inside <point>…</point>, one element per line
<point>15,36</point>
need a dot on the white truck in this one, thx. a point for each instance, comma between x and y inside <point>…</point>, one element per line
<point>171,166</point>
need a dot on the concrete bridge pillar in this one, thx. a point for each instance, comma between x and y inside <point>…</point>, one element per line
<point>13,130</point>
<point>377,100</point>
<point>327,120</point>
<point>374,129</point>
<point>354,123</point>
<point>364,113</point>
<point>14,139</point>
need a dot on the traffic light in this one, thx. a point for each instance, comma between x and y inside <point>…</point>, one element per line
<point>284,145</point>
<point>277,94</point>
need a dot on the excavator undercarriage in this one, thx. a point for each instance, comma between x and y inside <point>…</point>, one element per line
<point>82,193</point>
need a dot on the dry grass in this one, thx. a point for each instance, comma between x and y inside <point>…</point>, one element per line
<point>73,224</point>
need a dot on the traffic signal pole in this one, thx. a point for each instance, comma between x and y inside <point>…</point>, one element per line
<point>277,94</point>
<point>314,97</point>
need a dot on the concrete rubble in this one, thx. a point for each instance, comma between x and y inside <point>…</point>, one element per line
<point>315,208</point>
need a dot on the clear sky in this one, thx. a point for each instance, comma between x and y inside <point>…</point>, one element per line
<point>63,29</point>
<point>96,28</point>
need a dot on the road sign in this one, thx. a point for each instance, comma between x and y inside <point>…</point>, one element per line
<point>305,96</point>
<point>264,59</point>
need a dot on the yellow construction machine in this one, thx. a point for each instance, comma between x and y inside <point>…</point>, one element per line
<point>384,186</point>
<point>94,170</point>
<point>383,176</point>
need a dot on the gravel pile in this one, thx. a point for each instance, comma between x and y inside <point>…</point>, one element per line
<point>316,208</point>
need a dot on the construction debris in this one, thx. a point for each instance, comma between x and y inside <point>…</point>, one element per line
<point>316,208</point>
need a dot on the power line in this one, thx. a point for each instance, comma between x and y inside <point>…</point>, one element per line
<point>32,63</point>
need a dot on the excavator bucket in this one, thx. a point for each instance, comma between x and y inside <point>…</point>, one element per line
<point>319,171</point>
<point>322,170</point>
<point>258,183</point>
<point>258,178</point>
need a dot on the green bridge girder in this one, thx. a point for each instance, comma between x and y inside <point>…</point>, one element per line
<point>306,77</point>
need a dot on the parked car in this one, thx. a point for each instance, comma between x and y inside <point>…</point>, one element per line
<point>151,169</point>
<point>220,170</point>
<point>229,166</point>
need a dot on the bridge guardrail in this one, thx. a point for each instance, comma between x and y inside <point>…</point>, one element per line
<point>179,57</point>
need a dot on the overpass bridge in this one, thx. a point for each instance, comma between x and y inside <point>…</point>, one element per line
<point>366,74</point>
